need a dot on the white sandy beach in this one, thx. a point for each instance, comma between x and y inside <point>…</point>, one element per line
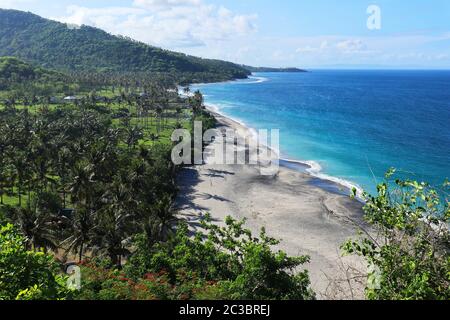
<point>292,207</point>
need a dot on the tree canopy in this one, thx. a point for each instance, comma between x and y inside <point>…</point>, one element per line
<point>59,46</point>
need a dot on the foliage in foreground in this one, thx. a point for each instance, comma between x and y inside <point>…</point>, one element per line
<point>407,251</point>
<point>27,275</point>
<point>227,263</point>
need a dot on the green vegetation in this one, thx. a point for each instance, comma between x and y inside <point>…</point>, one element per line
<point>92,182</point>
<point>17,77</point>
<point>407,252</point>
<point>27,275</point>
<point>228,263</point>
<point>12,70</point>
<point>51,158</point>
<point>85,49</point>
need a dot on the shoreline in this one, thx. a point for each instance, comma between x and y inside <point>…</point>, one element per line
<point>238,81</point>
<point>310,167</point>
<point>293,206</point>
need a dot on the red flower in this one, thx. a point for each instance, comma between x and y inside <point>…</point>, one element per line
<point>150,276</point>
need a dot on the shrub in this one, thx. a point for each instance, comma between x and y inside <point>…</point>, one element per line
<point>27,275</point>
<point>233,263</point>
<point>100,283</point>
<point>407,250</point>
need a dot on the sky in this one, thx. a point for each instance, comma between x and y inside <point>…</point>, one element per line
<point>278,33</point>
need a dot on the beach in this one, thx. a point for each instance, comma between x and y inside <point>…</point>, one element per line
<point>312,217</point>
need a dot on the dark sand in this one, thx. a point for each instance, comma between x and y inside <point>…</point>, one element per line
<point>309,215</point>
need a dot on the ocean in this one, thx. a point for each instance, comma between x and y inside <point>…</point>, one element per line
<point>349,126</point>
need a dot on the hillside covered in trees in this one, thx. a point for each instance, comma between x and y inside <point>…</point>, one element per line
<point>14,71</point>
<point>18,77</point>
<point>56,45</point>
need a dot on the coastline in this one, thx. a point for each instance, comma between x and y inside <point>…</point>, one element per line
<point>233,81</point>
<point>310,167</point>
<point>294,206</point>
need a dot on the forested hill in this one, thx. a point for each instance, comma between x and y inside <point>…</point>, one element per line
<point>14,73</point>
<point>58,46</point>
<point>15,70</point>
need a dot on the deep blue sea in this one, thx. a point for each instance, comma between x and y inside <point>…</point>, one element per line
<point>354,124</point>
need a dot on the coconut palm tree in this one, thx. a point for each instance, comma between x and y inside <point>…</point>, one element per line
<point>164,217</point>
<point>3,182</point>
<point>62,168</point>
<point>39,224</point>
<point>81,185</point>
<point>82,230</point>
<point>117,219</point>
<point>132,136</point>
<point>178,112</point>
<point>21,172</point>
<point>158,113</point>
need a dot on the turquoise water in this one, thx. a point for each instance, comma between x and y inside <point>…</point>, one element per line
<point>354,124</point>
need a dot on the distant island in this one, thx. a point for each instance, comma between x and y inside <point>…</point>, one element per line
<point>266,69</point>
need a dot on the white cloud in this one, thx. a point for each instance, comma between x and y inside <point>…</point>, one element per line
<point>441,56</point>
<point>197,27</point>
<point>310,49</point>
<point>163,4</point>
<point>166,23</point>
<point>14,4</point>
<point>97,17</point>
<point>351,46</point>
<point>324,45</point>
<point>416,56</point>
<point>307,49</point>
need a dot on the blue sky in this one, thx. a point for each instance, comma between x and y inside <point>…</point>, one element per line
<point>302,33</point>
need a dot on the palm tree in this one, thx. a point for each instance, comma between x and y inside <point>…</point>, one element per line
<point>117,219</point>
<point>81,185</point>
<point>178,112</point>
<point>39,224</point>
<point>132,136</point>
<point>196,102</point>
<point>40,158</point>
<point>4,175</point>
<point>3,184</point>
<point>146,110</point>
<point>159,112</point>
<point>83,226</point>
<point>63,163</point>
<point>164,216</point>
<point>22,173</point>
